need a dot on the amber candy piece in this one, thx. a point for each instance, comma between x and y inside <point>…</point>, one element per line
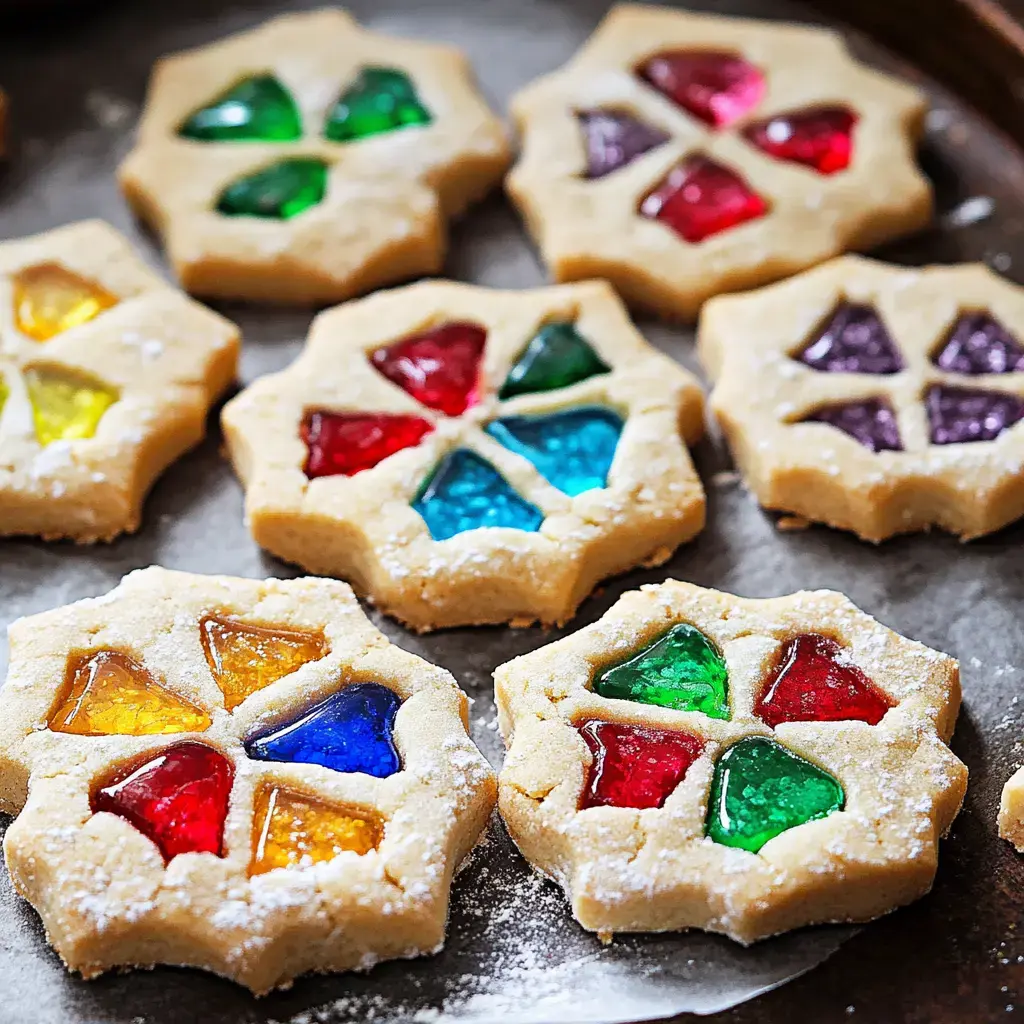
<point>49,299</point>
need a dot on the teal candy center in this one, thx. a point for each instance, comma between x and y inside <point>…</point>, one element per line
<point>760,790</point>
<point>557,356</point>
<point>280,191</point>
<point>682,669</point>
<point>257,109</point>
<point>380,100</point>
<point>572,450</point>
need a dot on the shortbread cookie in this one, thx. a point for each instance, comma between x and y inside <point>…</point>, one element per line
<point>875,398</point>
<point>681,155</point>
<point>465,455</point>
<point>1011,810</point>
<point>238,775</point>
<point>697,760</point>
<point>310,160</point>
<point>106,377</point>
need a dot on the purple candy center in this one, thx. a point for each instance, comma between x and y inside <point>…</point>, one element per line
<point>614,139</point>
<point>977,344</point>
<point>960,415</point>
<point>853,341</point>
<point>871,422</point>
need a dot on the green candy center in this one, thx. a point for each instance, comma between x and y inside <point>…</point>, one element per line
<point>681,670</point>
<point>280,191</point>
<point>380,100</point>
<point>760,790</point>
<point>257,109</point>
<point>557,356</point>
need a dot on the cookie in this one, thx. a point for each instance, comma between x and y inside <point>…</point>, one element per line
<point>698,760</point>
<point>875,398</point>
<point>239,775</point>
<point>681,155</point>
<point>310,160</point>
<point>106,377</point>
<point>464,455</point>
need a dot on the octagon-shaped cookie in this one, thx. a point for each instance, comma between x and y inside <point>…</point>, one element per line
<point>106,377</point>
<point>238,775</point>
<point>680,155</point>
<point>875,398</point>
<point>697,760</point>
<point>309,160</point>
<point>465,455</point>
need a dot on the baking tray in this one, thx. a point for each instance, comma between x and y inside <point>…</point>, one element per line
<point>513,952</point>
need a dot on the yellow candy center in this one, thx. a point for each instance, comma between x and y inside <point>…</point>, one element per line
<point>49,299</point>
<point>244,658</point>
<point>66,405</point>
<point>290,828</point>
<point>108,693</point>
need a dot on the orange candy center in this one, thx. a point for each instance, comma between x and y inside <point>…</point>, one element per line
<point>49,299</point>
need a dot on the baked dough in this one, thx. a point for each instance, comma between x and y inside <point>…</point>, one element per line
<point>593,228</point>
<point>763,393</point>
<point>1011,810</point>
<point>102,888</point>
<point>628,870</point>
<point>165,359</point>
<point>388,197</point>
<point>363,527</point>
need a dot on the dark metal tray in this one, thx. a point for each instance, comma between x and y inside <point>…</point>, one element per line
<point>76,83</point>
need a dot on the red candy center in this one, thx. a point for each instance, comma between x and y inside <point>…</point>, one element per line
<point>717,87</point>
<point>440,369</point>
<point>348,443</point>
<point>635,766</point>
<point>179,799</point>
<point>700,198</point>
<point>820,137</point>
<point>812,683</point>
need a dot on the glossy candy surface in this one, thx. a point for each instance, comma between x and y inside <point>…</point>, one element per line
<point>66,405</point>
<point>872,422</point>
<point>635,766</point>
<point>700,198</point>
<point>108,693</point>
<point>613,139</point>
<point>350,731</point>
<point>977,344</point>
<point>244,658</point>
<point>380,100</point>
<point>814,681</point>
<point>257,109</point>
<point>49,299</point>
<point>572,450</point>
<point>964,415</point>
<point>556,357</point>
<point>343,444</point>
<point>279,191</point>
<point>716,87</point>
<point>819,137</point>
<point>681,669</point>
<point>439,368</point>
<point>761,789</point>
<point>465,492</point>
<point>853,340</point>
<point>291,828</point>
<point>179,798</point>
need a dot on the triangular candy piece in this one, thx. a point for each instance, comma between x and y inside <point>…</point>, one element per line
<point>613,139</point>
<point>872,422</point>
<point>556,357</point>
<point>245,658</point>
<point>760,790</point>
<point>49,299</point>
<point>819,137</point>
<point>853,340</point>
<point>350,731</point>
<point>66,405</point>
<point>964,415</point>
<point>293,829</point>
<point>343,444</point>
<point>572,450</point>
<point>635,766</point>
<point>977,344</point>
<point>439,368</point>
<point>179,798</point>
<point>278,192</point>
<point>465,492</point>
<point>108,693</point>
<point>380,100</point>
<point>257,109</point>
<point>682,669</point>
<point>814,682</point>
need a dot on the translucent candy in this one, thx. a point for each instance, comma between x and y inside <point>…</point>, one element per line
<point>278,192</point>
<point>818,137</point>
<point>257,109</point>
<point>854,340</point>
<point>49,299</point>
<point>614,139</point>
<point>380,100</point>
<point>66,405</point>
<point>557,356</point>
<point>963,415</point>
<point>343,444</point>
<point>872,422</point>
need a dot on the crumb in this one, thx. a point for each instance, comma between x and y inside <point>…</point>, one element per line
<point>790,524</point>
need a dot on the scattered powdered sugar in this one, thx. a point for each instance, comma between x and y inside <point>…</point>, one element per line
<point>970,211</point>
